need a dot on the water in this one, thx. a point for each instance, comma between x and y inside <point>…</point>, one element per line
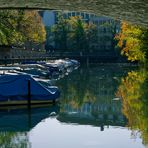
<point>101,106</point>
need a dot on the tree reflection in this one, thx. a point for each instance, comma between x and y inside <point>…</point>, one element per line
<point>133,91</point>
<point>87,96</point>
<point>13,140</point>
<point>86,85</point>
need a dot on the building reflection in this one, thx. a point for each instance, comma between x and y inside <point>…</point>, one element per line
<point>96,115</point>
<point>89,97</point>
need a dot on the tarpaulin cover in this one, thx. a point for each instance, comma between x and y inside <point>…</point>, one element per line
<point>15,87</point>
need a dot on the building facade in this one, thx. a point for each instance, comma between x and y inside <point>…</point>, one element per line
<point>107,28</point>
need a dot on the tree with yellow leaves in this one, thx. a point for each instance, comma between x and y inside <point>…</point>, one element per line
<point>132,41</point>
<point>19,26</point>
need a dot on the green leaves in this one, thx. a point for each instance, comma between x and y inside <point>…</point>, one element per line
<point>19,26</point>
<point>74,33</point>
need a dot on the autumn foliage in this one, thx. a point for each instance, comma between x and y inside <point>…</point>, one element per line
<point>131,41</point>
<point>20,26</point>
<point>133,91</point>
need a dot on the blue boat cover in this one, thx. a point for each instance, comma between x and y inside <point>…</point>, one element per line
<point>15,87</point>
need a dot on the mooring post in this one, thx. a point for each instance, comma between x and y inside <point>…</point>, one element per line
<point>87,61</point>
<point>29,94</point>
<point>5,61</point>
<point>53,102</point>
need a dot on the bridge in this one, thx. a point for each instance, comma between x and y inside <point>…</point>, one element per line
<point>135,11</point>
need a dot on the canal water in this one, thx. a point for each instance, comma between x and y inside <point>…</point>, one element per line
<point>101,106</point>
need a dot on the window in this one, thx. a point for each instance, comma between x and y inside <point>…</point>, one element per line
<point>73,13</point>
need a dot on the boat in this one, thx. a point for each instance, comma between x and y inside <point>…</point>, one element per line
<point>22,89</point>
<point>35,70</point>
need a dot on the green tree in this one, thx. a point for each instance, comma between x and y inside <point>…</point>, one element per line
<point>74,33</point>
<point>91,36</point>
<point>19,26</point>
<point>77,32</point>
<point>8,24</point>
<point>60,30</point>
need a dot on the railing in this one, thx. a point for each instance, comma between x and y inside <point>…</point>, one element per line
<point>81,56</point>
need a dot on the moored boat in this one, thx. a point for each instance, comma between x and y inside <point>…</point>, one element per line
<point>18,89</point>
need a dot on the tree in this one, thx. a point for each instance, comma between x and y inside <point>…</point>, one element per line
<point>32,28</point>
<point>74,33</point>
<point>91,36</point>
<point>77,32</point>
<point>132,40</point>
<point>8,24</point>
<point>60,30</point>
<point>144,47</point>
<point>19,26</point>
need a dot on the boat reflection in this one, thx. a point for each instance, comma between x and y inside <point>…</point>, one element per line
<point>18,120</point>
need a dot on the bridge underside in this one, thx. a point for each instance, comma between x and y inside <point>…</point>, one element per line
<point>134,11</point>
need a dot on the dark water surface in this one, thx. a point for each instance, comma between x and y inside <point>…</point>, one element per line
<point>102,106</point>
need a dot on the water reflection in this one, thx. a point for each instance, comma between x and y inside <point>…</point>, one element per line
<point>133,90</point>
<point>104,95</point>
<point>23,119</point>
<point>13,139</point>
<point>15,123</point>
<point>89,96</point>
<point>99,96</point>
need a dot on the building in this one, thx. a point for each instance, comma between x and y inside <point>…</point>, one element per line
<point>106,28</point>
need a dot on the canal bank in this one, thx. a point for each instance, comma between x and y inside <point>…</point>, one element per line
<point>11,55</point>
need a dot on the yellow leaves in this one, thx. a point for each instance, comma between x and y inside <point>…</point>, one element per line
<point>17,26</point>
<point>129,40</point>
<point>129,29</point>
<point>134,98</point>
<point>33,27</point>
<point>130,87</point>
<point>89,97</point>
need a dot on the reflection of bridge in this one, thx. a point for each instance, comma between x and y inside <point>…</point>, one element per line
<point>96,115</point>
<point>131,10</point>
